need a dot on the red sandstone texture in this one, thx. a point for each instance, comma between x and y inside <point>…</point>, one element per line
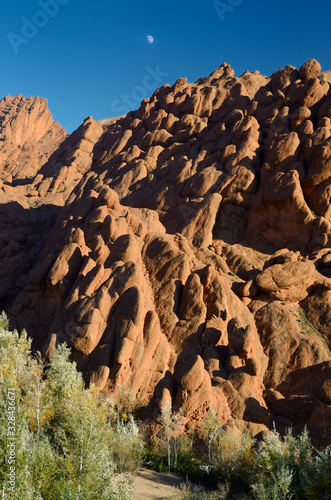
<point>182,251</point>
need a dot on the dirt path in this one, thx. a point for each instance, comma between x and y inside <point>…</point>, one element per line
<point>152,485</point>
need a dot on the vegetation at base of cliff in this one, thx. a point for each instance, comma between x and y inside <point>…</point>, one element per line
<point>59,440</point>
<point>237,466</point>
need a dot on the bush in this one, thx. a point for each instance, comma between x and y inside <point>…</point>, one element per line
<point>281,469</point>
<point>172,428</point>
<point>230,452</point>
<point>282,465</point>
<point>68,444</point>
<point>316,479</point>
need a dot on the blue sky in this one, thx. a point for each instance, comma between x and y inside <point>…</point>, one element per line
<point>93,57</point>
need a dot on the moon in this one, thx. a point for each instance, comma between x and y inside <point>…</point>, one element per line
<point>150,39</point>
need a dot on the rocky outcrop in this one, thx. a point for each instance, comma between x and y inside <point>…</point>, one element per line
<point>28,136</point>
<point>182,251</point>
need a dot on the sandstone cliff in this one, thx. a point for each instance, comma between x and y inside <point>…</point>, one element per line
<point>182,251</point>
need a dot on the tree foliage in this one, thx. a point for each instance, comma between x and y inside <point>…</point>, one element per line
<point>68,442</point>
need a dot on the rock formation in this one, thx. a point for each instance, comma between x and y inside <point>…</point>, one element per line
<point>182,251</point>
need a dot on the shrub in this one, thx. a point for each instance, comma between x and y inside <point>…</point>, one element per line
<point>68,444</point>
<point>172,428</point>
<point>316,480</point>
<point>230,452</point>
<point>282,464</point>
<point>129,447</point>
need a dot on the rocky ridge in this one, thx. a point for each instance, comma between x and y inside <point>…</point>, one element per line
<point>183,250</point>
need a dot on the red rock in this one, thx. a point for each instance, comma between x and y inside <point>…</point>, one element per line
<point>297,409</point>
<point>289,281</point>
<point>295,92</point>
<point>317,186</point>
<point>314,91</point>
<point>199,228</point>
<point>300,114</point>
<point>317,307</point>
<point>286,345</point>
<point>305,128</point>
<point>310,69</point>
<point>282,148</point>
<point>172,248</point>
<point>282,78</point>
<point>28,136</point>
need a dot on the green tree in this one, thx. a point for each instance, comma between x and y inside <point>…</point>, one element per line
<point>210,427</point>
<point>172,428</point>
<point>66,436</point>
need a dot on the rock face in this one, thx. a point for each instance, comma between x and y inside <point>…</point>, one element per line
<point>28,136</point>
<point>182,251</point>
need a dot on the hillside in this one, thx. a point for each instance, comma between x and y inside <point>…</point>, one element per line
<point>182,251</point>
